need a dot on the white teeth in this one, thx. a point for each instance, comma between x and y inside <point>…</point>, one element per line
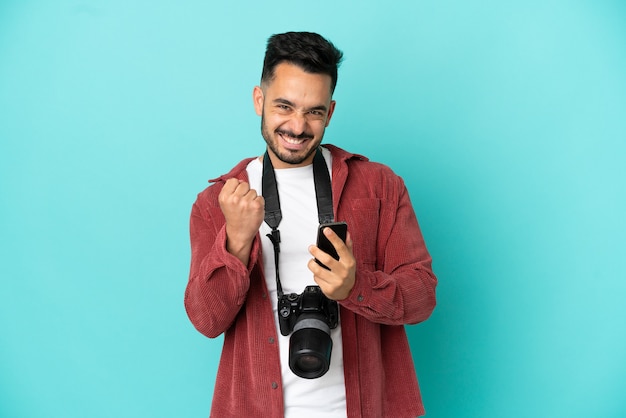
<point>293,140</point>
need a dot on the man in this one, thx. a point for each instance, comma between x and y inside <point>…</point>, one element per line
<point>381,280</point>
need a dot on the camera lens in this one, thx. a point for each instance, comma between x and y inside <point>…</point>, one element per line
<point>310,347</point>
<point>308,362</point>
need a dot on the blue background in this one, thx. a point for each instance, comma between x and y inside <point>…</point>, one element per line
<point>506,119</point>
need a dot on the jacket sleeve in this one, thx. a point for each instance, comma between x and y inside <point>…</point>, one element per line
<point>398,287</point>
<point>218,281</point>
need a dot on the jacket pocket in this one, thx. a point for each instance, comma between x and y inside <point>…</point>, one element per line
<point>362,216</point>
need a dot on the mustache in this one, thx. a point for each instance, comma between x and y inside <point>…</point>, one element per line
<point>303,135</point>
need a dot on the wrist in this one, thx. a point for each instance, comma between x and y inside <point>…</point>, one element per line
<point>240,248</point>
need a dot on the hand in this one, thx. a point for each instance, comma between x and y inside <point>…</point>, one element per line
<point>244,211</point>
<point>338,281</point>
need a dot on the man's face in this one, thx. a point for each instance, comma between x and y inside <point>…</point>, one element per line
<point>295,109</point>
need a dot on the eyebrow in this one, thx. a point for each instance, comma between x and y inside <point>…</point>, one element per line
<point>289,103</point>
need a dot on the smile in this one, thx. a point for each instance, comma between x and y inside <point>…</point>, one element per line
<point>294,139</point>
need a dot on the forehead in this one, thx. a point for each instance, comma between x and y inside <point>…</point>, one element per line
<point>292,82</point>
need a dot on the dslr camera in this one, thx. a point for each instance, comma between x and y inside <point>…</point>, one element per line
<point>309,317</point>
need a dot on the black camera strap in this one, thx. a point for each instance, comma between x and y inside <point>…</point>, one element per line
<point>273,214</point>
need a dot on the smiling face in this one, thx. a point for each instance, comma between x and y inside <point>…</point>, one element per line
<point>295,109</point>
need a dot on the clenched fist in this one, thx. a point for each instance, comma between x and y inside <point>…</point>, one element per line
<point>244,211</point>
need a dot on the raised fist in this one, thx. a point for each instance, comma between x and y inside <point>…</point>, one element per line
<point>244,211</point>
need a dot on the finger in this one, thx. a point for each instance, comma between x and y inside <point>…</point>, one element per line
<point>255,203</point>
<point>346,248</point>
<point>334,239</point>
<point>330,283</point>
<point>319,272</point>
<point>322,257</point>
<point>230,185</point>
<point>243,189</point>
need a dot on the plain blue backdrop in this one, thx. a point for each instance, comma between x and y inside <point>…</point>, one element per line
<point>507,121</point>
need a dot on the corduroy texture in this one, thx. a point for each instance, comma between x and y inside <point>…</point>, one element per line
<point>394,286</point>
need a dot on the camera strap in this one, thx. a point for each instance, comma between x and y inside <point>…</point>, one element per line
<point>273,214</point>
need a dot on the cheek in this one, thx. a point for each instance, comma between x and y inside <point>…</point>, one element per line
<point>271,122</point>
<point>319,127</point>
<point>276,118</point>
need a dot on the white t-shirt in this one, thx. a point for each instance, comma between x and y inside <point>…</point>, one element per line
<point>326,395</point>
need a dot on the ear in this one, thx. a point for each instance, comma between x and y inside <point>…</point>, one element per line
<point>331,110</point>
<point>257,100</point>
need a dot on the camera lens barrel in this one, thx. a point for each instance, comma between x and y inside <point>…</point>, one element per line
<point>310,347</point>
<point>311,322</point>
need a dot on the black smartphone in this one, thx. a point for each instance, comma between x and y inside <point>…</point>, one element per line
<point>341,229</point>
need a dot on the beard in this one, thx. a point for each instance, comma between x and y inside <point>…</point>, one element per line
<point>288,157</point>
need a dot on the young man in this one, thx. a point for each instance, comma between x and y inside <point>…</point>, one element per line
<point>381,280</point>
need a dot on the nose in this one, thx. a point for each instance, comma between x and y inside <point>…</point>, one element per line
<point>298,123</point>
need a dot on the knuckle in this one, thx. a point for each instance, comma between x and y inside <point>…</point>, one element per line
<point>350,263</point>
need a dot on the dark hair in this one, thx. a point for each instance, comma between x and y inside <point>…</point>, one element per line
<point>307,50</point>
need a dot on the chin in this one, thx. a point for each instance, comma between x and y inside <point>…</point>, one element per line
<point>292,158</point>
<point>299,156</point>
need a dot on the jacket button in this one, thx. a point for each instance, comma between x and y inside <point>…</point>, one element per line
<point>274,385</point>
<point>271,340</point>
<point>360,298</point>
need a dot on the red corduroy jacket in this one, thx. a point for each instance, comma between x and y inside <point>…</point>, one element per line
<point>394,286</point>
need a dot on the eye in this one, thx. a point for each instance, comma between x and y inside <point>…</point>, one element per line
<point>283,108</point>
<point>317,114</point>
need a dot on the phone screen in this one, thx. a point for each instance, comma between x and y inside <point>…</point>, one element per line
<point>341,229</point>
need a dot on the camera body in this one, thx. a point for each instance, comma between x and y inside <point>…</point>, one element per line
<point>308,317</point>
<point>310,303</point>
